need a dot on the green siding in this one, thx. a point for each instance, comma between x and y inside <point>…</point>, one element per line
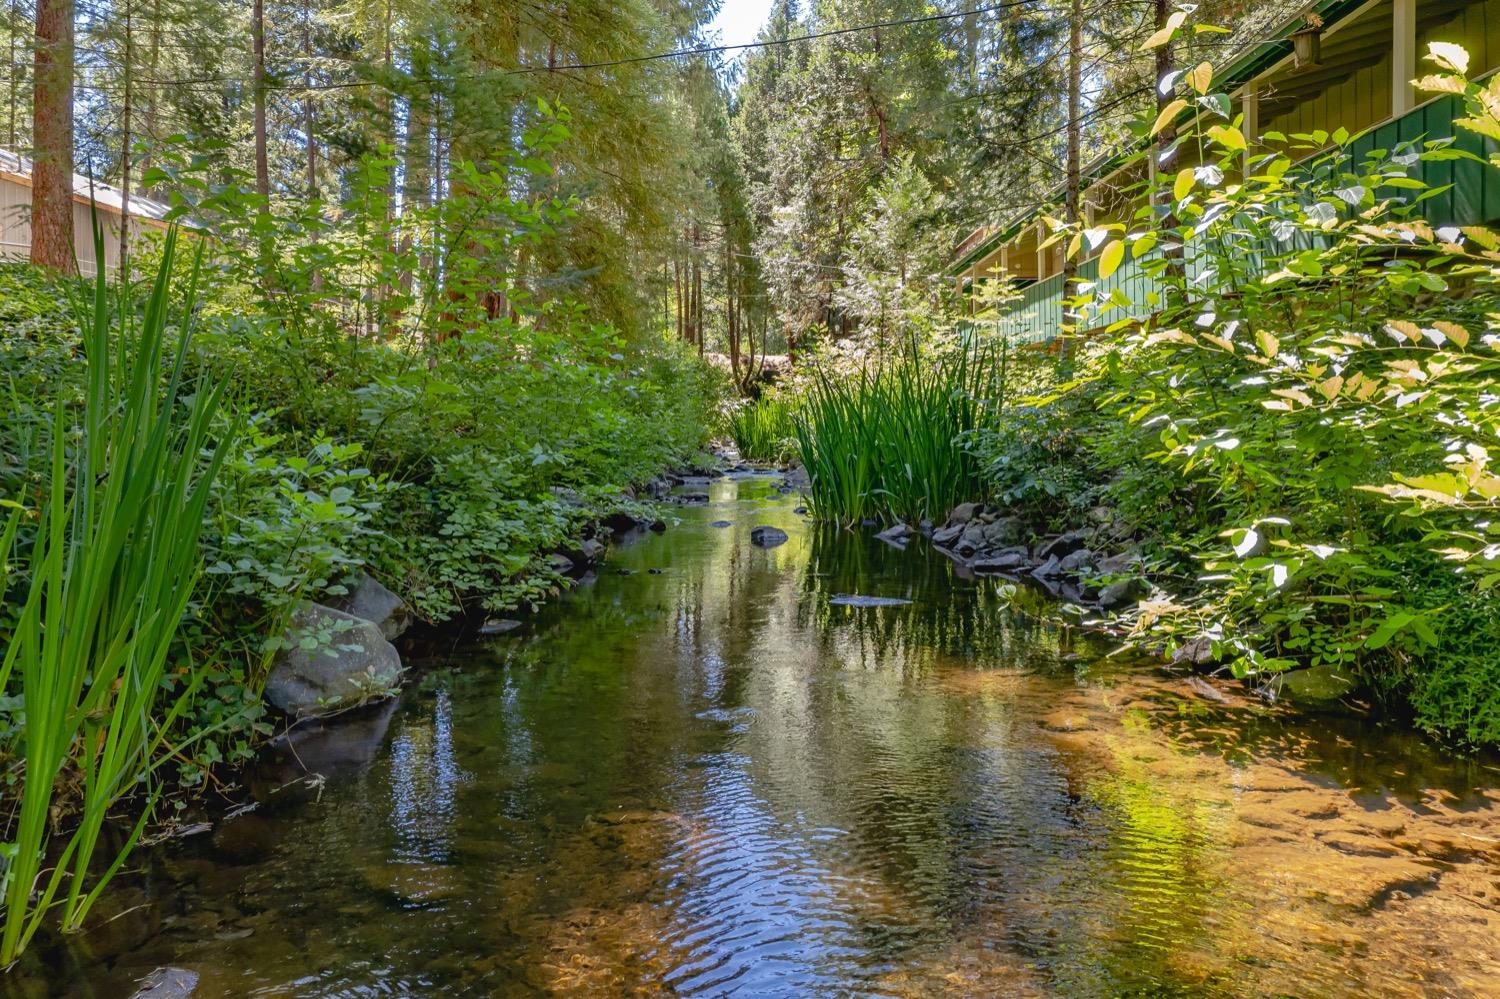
<point>1472,196</point>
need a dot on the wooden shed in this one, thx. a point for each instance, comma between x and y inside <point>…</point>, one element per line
<point>15,215</point>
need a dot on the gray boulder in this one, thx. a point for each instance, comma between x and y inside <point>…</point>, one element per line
<point>592,550</point>
<point>971,540</point>
<point>1004,531</point>
<point>944,537</point>
<point>1010,560</point>
<point>768,537</point>
<point>1064,544</point>
<point>962,514</point>
<point>368,599</point>
<point>897,535</point>
<point>1123,562</point>
<point>333,661</point>
<point>1078,561</point>
<point>1047,570</point>
<point>1122,593</point>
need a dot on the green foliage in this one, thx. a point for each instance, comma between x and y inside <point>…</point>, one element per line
<point>1302,426</point>
<point>888,443</point>
<point>112,568</point>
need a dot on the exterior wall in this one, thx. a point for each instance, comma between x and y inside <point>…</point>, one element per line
<point>1364,99</point>
<point>1361,103</point>
<point>15,229</point>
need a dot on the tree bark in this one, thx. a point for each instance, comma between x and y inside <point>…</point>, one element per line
<point>1075,137</point>
<point>258,83</point>
<point>14,88</point>
<point>128,74</point>
<point>1168,134</point>
<point>52,135</point>
<point>309,109</point>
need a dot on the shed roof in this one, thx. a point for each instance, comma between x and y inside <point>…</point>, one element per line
<point>17,168</point>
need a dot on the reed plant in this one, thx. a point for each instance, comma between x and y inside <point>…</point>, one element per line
<point>107,580</point>
<point>889,444</point>
<point>763,429</point>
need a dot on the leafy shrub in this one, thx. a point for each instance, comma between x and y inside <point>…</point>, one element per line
<point>1304,421</point>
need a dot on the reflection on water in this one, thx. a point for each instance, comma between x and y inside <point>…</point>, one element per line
<point>710,781</point>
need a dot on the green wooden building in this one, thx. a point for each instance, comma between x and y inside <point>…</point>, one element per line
<point>1360,79</point>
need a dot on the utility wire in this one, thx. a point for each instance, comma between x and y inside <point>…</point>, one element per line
<point>628,61</point>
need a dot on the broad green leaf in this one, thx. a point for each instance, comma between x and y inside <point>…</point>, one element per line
<point>1164,35</point>
<point>1183,186</point>
<point>1449,56</point>
<point>1168,113</point>
<point>1109,260</point>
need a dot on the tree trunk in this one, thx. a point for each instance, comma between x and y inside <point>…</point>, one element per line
<point>153,63</point>
<point>697,297</point>
<point>1168,134</point>
<point>258,83</point>
<point>677,292</point>
<point>309,109</point>
<point>14,88</point>
<point>52,135</point>
<point>1075,137</point>
<point>1163,154</point>
<point>731,331</point>
<point>128,74</point>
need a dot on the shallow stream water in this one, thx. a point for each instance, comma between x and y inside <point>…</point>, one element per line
<point>709,781</point>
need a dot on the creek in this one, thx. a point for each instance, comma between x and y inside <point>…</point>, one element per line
<point>695,775</point>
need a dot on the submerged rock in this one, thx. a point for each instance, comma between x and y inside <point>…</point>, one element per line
<point>768,537</point>
<point>856,600</point>
<point>334,661</point>
<point>167,983</point>
<point>1323,684</point>
<point>897,535</point>
<point>346,744</point>
<point>368,599</point>
<point>1195,652</point>
<point>498,626</point>
<point>722,523</point>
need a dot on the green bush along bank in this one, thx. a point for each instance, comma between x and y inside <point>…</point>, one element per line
<point>329,415</point>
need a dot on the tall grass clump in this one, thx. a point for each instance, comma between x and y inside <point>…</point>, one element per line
<point>108,577</point>
<point>763,430</point>
<point>889,444</point>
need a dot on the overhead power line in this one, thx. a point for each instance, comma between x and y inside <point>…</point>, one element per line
<point>630,60</point>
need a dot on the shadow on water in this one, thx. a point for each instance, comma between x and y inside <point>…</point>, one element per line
<point>709,780</point>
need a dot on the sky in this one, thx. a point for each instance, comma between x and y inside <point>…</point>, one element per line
<point>739,20</point>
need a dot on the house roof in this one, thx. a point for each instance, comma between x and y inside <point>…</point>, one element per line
<point>17,168</point>
<point>1258,40</point>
